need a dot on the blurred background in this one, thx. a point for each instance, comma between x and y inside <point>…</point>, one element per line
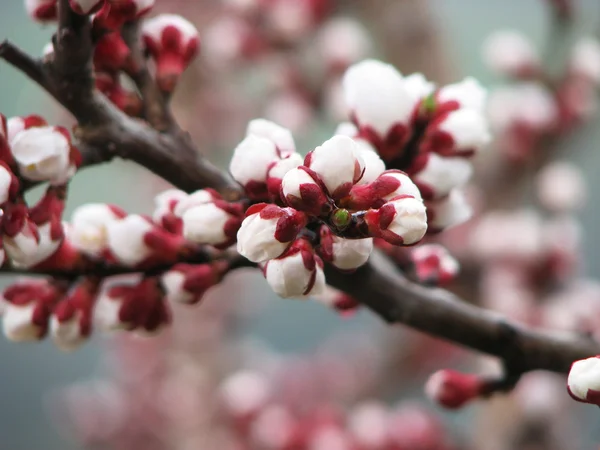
<point>33,374</point>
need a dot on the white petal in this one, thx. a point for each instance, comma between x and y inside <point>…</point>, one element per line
<point>205,224</point>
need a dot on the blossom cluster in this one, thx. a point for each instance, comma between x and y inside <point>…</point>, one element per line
<point>538,102</point>
<point>170,41</point>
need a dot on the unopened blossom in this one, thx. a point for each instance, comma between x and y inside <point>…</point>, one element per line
<point>111,52</point>
<point>114,13</point>
<point>349,31</point>
<point>172,42</point>
<point>9,184</point>
<point>467,94</point>
<point>374,165</point>
<point>279,169</point>
<point>15,125</point>
<point>401,221</point>
<point>85,6</point>
<point>187,283</point>
<point>215,223</point>
<point>280,136</point>
<point>41,10</point>
<point>583,383</point>
<point>434,264</point>
<point>296,273</point>
<point>88,230</point>
<point>380,104</point>
<point>45,154</point>
<point>267,231</point>
<point>345,254</point>
<point>388,185</point>
<point>561,187</point>
<point>449,211</point>
<point>453,389</point>
<point>301,189</point>
<point>244,393</point>
<point>585,59</point>
<point>250,163</point>
<point>509,52</point>
<point>439,175</point>
<point>123,98</point>
<point>368,424</point>
<point>21,237</point>
<point>164,210</point>
<point>338,164</point>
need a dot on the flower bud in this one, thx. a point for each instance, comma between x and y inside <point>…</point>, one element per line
<point>380,104</point>
<point>45,154</point>
<point>461,132</point>
<point>9,184</point>
<point>452,389</point>
<point>244,393</point>
<point>85,7</point>
<point>15,125</point>
<point>390,184</point>
<point>374,165</point>
<point>250,163</point>
<point>345,254</point>
<point>165,204</point>
<point>126,239</point>
<point>114,13</point>
<point>509,52</point>
<point>126,100</point>
<point>186,283</point>
<point>401,221</point>
<point>467,94</point>
<point>215,223</point>
<point>89,222</point>
<point>27,308</point>
<point>449,211</point>
<point>21,237</point>
<point>561,187</point>
<point>434,265</point>
<point>583,383</point>
<point>302,192</point>
<point>585,59</point>
<point>280,136</point>
<point>349,31</point>
<point>278,170</point>
<point>267,231</point>
<point>439,175</point>
<point>338,165</point>
<point>41,10</point>
<point>296,273</point>
<point>111,52</point>
<point>173,42</point>
<point>368,424</point>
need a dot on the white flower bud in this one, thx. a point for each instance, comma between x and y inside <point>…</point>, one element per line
<point>441,174</point>
<point>410,220</point>
<point>205,224</point>
<point>338,164</point>
<point>468,129</point>
<point>244,393</point>
<point>356,42</point>
<point>368,424</point>
<point>561,187</point>
<point>468,93</point>
<point>43,154</point>
<point>125,239</point>
<point>349,254</point>
<point>280,136</point>
<point>251,160</point>
<point>88,230</point>
<point>509,52</point>
<point>583,382</point>
<point>295,274</point>
<point>377,96</point>
<point>6,182</point>
<point>450,211</point>
<point>585,59</point>
<point>418,86</point>
<point>18,323</point>
<point>374,165</point>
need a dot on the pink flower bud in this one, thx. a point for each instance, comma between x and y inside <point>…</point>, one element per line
<point>114,13</point>
<point>439,175</point>
<point>250,163</point>
<point>368,424</point>
<point>467,94</point>
<point>329,438</point>
<point>71,321</point>
<point>27,308</point>
<point>41,10</point>
<point>267,231</point>
<point>401,221</point>
<point>585,59</point>
<point>186,283</point>
<point>449,211</point>
<point>583,383</point>
<point>301,191</point>
<point>338,165</point>
<point>111,52</point>
<point>345,254</point>
<point>173,42</point>
<point>45,154</point>
<point>390,184</point>
<point>85,7</point>
<point>274,428</point>
<point>296,273</point>
<point>215,223</point>
<point>434,264</point>
<point>561,187</point>
<point>126,100</point>
<point>245,393</point>
<point>452,389</point>
<point>356,41</point>
<point>381,105</point>
<point>89,223</point>
<point>511,53</point>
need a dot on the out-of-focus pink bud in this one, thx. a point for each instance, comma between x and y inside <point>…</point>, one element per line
<point>302,190</point>
<point>511,53</point>
<point>412,426</point>
<point>338,165</point>
<point>561,187</point>
<point>368,424</point>
<point>585,59</point>
<point>449,211</point>
<point>401,221</point>
<point>274,428</point>
<point>583,383</point>
<point>88,230</point>
<point>434,264</point>
<point>41,10</point>
<point>452,389</point>
<point>45,154</point>
<point>381,105</point>
<point>173,42</point>
<point>329,438</point>
<point>345,254</point>
<point>356,41</point>
<point>268,230</point>
<point>26,310</point>
<point>187,283</point>
<point>111,52</point>
<point>245,393</point>
<point>296,273</point>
